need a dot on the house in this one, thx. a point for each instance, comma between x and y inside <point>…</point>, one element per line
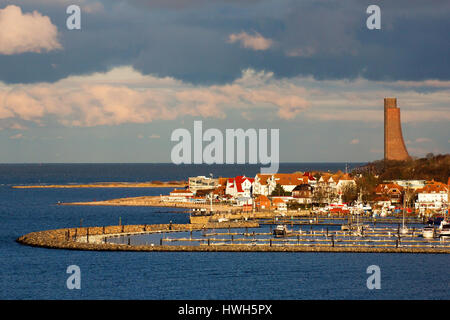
<point>344,181</point>
<point>434,195</point>
<point>261,185</point>
<point>279,204</point>
<point>262,202</point>
<point>240,186</point>
<point>303,193</point>
<point>287,180</point>
<point>392,191</point>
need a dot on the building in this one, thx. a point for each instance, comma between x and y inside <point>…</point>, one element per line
<point>412,184</point>
<point>262,202</point>
<point>287,180</point>
<point>180,195</point>
<point>434,195</point>
<point>344,181</point>
<point>394,145</point>
<point>261,185</point>
<point>303,193</point>
<point>240,186</point>
<point>389,191</point>
<point>202,183</point>
<point>279,204</point>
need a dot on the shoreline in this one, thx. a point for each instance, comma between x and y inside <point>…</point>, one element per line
<point>152,201</point>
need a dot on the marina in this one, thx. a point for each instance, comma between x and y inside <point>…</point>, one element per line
<point>249,236</point>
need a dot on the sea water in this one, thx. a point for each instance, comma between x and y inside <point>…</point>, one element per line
<point>38,273</point>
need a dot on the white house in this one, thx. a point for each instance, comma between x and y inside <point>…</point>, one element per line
<point>433,196</point>
<point>240,186</point>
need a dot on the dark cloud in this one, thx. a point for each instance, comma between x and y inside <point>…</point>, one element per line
<point>188,40</point>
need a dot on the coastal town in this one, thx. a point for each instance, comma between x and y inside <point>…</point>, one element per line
<point>327,193</point>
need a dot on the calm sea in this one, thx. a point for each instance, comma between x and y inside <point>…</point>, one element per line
<point>36,273</point>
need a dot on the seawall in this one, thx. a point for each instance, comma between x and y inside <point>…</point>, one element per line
<point>63,239</point>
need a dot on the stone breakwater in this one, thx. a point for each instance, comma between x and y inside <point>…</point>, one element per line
<point>76,239</point>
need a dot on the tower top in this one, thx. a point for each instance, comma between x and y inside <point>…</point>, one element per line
<point>390,102</point>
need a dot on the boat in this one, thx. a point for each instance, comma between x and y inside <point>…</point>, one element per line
<point>444,229</point>
<point>428,232</point>
<point>280,231</point>
<point>404,229</point>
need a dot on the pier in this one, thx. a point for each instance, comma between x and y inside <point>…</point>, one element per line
<point>235,237</point>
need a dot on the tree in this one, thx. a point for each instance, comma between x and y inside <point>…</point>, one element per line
<point>349,193</point>
<point>279,191</point>
<point>319,195</point>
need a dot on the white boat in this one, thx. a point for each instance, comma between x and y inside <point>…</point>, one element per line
<point>444,229</point>
<point>404,229</point>
<point>428,232</point>
<point>280,230</point>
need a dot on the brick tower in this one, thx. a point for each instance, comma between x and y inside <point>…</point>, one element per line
<point>394,146</point>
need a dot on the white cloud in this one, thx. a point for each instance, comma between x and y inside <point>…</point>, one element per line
<point>123,95</point>
<point>254,42</point>
<point>26,32</point>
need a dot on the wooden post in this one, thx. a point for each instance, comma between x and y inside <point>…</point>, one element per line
<point>87,235</point>
<point>160,241</point>
<point>332,240</point>
<point>103,230</point>
<point>128,240</point>
<point>208,242</point>
<point>270,241</point>
<point>122,228</point>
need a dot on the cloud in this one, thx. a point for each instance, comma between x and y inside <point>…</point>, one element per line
<point>154,136</point>
<point>354,141</point>
<point>123,95</point>
<point>301,52</point>
<point>422,140</point>
<point>17,136</point>
<point>26,32</point>
<point>254,42</point>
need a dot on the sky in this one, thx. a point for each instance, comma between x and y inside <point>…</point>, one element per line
<point>116,89</point>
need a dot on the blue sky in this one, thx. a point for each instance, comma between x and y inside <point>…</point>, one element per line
<point>137,70</point>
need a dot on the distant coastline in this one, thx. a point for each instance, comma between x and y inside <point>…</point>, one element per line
<point>181,184</point>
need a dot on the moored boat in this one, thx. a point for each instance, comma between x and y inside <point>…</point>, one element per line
<point>280,231</point>
<point>428,232</point>
<point>444,229</point>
